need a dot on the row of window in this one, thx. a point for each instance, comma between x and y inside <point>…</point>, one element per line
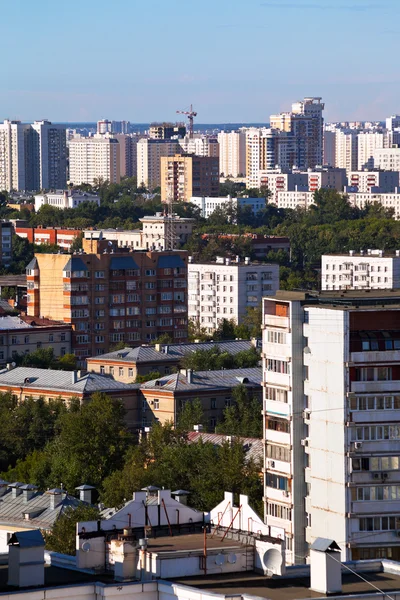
<point>277,482</point>
<point>275,337</point>
<point>277,366</point>
<point>276,452</point>
<point>381,463</point>
<point>360,267</point>
<point>277,394</point>
<point>15,340</point>
<point>379,523</point>
<point>374,374</point>
<point>376,432</point>
<point>279,511</point>
<point>278,425</point>
<point>384,492</point>
<point>374,402</point>
<point>374,345</point>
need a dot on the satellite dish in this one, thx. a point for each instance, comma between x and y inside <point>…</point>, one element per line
<point>110,243</point>
<point>219,560</point>
<point>86,546</point>
<point>13,364</point>
<point>232,559</point>
<point>272,560</point>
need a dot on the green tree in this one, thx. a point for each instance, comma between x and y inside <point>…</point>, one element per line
<point>243,417</point>
<point>225,330</point>
<point>147,377</point>
<point>62,538</point>
<point>190,414</point>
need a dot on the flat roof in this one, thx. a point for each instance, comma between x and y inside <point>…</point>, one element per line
<point>191,543</point>
<point>286,588</point>
<point>343,299</point>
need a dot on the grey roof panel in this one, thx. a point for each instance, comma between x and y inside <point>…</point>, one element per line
<point>119,263</point>
<point>33,264</point>
<point>170,262</point>
<point>27,539</point>
<point>75,264</point>
<point>206,380</point>
<point>324,545</point>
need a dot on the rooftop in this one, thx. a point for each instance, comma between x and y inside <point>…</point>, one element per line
<point>344,299</point>
<point>10,322</point>
<point>190,543</point>
<point>172,352</point>
<point>60,381</point>
<point>204,381</point>
<point>253,447</point>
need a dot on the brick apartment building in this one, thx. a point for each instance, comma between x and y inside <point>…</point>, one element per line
<point>111,295</point>
<point>58,236</point>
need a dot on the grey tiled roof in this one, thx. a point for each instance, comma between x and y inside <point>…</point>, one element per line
<point>206,380</point>
<point>12,509</point>
<point>61,381</point>
<point>172,352</point>
<point>253,447</point>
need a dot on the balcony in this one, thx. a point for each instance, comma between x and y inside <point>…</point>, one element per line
<point>278,496</point>
<point>277,437</point>
<point>376,416</point>
<point>374,387</point>
<point>387,356</point>
<point>271,350</point>
<point>273,407</point>
<point>280,379</point>
<point>279,467</point>
<point>274,321</point>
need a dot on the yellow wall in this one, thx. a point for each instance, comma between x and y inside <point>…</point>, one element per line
<point>51,286</point>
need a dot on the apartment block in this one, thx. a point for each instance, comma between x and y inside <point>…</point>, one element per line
<point>50,155</point>
<point>62,237</point>
<point>127,154</point>
<point>21,335</point>
<point>94,159</point>
<point>266,150</point>
<point>226,289</point>
<point>327,178</point>
<point>232,153</point>
<point>280,180</point>
<point>111,295</point>
<point>208,205</point>
<point>149,153</point>
<point>346,149</point>
<point>294,199</point>
<point>63,199</point>
<point>369,270</point>
<point>387,159</point>
<point>166,131</point>
<point>6,233</point>
<point>390,201</point>
<point>183,177</point>
<point>200,145</point>
<point>331,377</point>
<point>376,181</point>
<point>329,152</point>
<point>367,144</point>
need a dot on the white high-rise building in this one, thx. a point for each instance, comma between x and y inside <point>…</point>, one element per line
<point>331,377</point>
<point>149,153</point>
<point>370,270</point>
<point>201,145</point>
<point>232,153</point>
<point>378,181</point>
<point>14,170</point>
<point>346,156</point>
<point>367,143</point>
<point>225,289</point>
<point>50,146</point>
<point>387,159</point>
<point>94,159</point>
<point>393,122</point>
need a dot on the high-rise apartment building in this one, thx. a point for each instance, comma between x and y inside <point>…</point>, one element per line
<point>166,131</point>
<point>94,159</point>
<point>370,270</point>
<point>232,153</point>
<point>110,295</point>
<point>104,126</point>
<point>329,152</point>
<point>378,181</point>
<point>387,159</point>
<point>366,146</point>
<point>266,150</point>
<point>149,153</point>
<point>346,149</point>
<point>15,173</point>
<point>185,176</point>
<point>331,377</point>
<point>49,155</point>
<point>127,154</point>
<point>393,122</point>
<point>201,145</point>
<point>225,289</point>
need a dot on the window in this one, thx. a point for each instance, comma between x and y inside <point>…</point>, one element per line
<point>149,297</point>
<point>51,338</point>
<point>213,403</point>
<point>278,452</point>
<point>277,366</point>
<point>376,432</point>
<point>228,402</point>
<point>166,296</point>
<point>279,511</point>
<point>374,374</point>
<point>130,372</point>
<point>151,311</point>
<point>379,523</point>
<point>99,287</point>
<point>278,425</point>
<point>156,405</point>
<point>111,370</point>
<point>102,370</point>
<point>276,337</point>
<point>384,492</point>
<point>99,274</point>
<point>150,272</point>
<point>14,339</point>
<point>99,300</point>
<point>375,402</point>
<point>277,482</point>
<point>39,344</point>
<point>276,394</point>
<point>121,371</point>
<point>150,285</point>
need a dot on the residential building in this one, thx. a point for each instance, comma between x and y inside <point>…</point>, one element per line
<point>266,150</point>
<point>225,289</point>
<point>253,447</point>
<point>123,127</point>
<point>183,177</point>
<point>373,181</point>
<point>149,153</point>
<point>127,154</point>
<point>111,295</point>
<point>125,365</point>
<point>49,155</point>
<point>24,508</point>
<point>104,126</point>
<point>346,149</point>
<point>164,397</point>
<point>370,270</point>
<point>17,170</point>
<point>94,159</point>
<point>279,180</point>
<point>387,159</point>
<point>22,335</point>
<point>152,236</point>
<point>393,122</point>
<point>48,235</point>
<point>329,152</point>
<point>294,199</point>
<point>390,201</point>
<point>366,145</point>
<point>6,233</point>
<point>232,153</point>
<point>331,371</point>
<point>26,382</point>
<point>208,205</point>
<point>326,177</point>
<point>166,131</point>
<point>63,199</point>
<point>200,145</point>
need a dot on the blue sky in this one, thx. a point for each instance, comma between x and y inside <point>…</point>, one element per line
<point>235,60</point>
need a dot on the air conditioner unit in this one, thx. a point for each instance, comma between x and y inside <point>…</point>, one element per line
<point>307,413</point>
<point>376,476</point>
<point>357,445</point>
<point>271,464</point>
<point>304,442</point>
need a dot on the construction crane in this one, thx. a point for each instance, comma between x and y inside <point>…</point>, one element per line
<point>190,115</point>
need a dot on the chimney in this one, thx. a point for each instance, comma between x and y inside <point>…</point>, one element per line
<point>15,489</point>
<point>180,496</point>
<point>10,366</point>
<point>157,347</point>
<point>74,375</point>
<point>190,259</point>
<point>28,491</point>
<point>26,559</point>
<point>351,252</point>
<point>397,252</point>
<point>189,375</point>
<point>55,497</point>
<point>85,493</point>
<point>326,568</point>
<point>198,427</point>
<point>227,261</point>
<point>237,259</point>
<point>247,260</point>
<point>3,487</point>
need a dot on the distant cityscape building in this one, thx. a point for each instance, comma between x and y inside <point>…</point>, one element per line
<point>127,154</point>
<point>62,237</point>
<point>225,289</point>
<point>50,155</point>
<point>208,205</point>
<point>387,201</point>
<point>63,199</point>
<point>232,153</point>
<point>367,144</point>
<point>166,131</point>
<point>346,149</point>
<point>6,233</point>
<point>200,145</point>
<point>94,159</point>
<point>183,177</point>
<point>387,159</point>
<point>370,270</point>
<point>149,153</point>
<point>373,181</point>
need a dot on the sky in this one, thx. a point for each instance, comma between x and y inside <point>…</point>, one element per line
<point>234,60</point>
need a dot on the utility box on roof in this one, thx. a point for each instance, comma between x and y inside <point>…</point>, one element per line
<point>326,567</point>
<point>26,559</point>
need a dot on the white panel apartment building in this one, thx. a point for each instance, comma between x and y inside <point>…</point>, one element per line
<point>391,201</point>
<point>209,204</point>
<point>367,144</point>
<point>200,145</point>
<point>386,181</point>
<point>387,159</point>
<point>346,149</point>
<point>331,377</point>
<point>225,289</point>
<point>13,154</point>
<point>91,159</point>
<point>50,155</point>
<point>232,153</point>
<point>370,270</point>
<point>149,153</point>
<point>63,199</point>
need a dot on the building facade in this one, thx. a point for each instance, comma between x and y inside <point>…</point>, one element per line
<point>110,295</point>
<point>149,153</point>
<point>226,289</point>
<point>208,205</point>
<point>382,181</point>
<point>346,149</point>
<point>94,159</point>
<point>370,270</point>
<point>232,153</point>
<point>6,233</point>
<point>387,201</point>
<point>331,375</point>
<point>50,155</point>
<point>62,237</point>
<point>183,177</point>
<point>387,159</point>
<point>63,199</point>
